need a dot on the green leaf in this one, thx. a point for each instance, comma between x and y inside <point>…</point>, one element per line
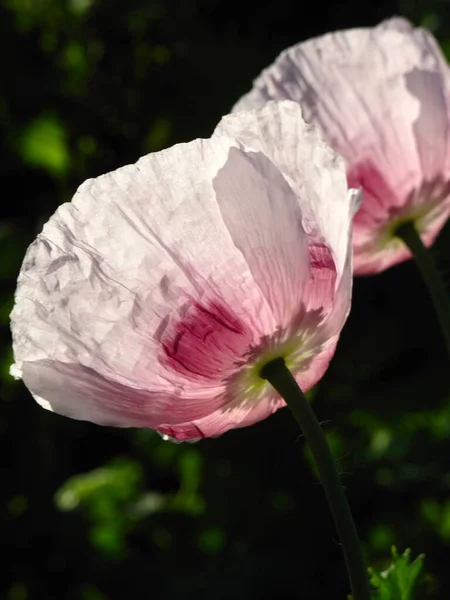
<point>116,482</point>
<point>44,144</point>
<point>399,581</point>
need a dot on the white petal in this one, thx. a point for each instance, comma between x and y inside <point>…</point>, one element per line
<point>264,218</point>
<point>380,95</point>
<point>314,171</point>
<point>121,262</point>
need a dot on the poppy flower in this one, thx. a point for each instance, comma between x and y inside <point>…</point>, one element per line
<point>381,97</point>
<point>154,298</point>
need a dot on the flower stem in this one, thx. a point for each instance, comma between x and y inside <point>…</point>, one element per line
<point>279,376</point>
<point>427,267</point>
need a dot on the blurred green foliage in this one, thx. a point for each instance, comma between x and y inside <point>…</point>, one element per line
<point>400,580</point>
<point>91,513</point>
<point>44,144</point>
<point>114,500</point>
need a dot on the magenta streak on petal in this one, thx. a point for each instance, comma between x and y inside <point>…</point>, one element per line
<point>190,432</point>
<point>380,202</point>
<point>206,343</point>
<point>322,263</point>
<point>320,290</point>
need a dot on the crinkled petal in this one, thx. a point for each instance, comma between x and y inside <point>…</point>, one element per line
<point>256,226</point>
<point>131,247</point>
<point>142,294</point>
<point>381,97</point>
<point>380,92</point>
<point>220,421</point>
<point>314,171</point>
<point>237,414</point>
<point>342,300</point>
<point>82,393</point>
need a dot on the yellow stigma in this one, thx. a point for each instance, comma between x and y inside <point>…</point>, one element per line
<point>250,385</point>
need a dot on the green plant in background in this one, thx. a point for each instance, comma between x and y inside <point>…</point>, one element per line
<point>106,494</point>
<point>115,500</point>
<point>400,580</point>
<point>44,144</point>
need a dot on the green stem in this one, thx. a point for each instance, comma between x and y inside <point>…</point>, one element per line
<point>279,376</point>
<point>441,301</point>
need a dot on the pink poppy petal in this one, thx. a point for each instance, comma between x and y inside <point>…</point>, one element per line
<point>222,420</point>
<point>205,343</point>
<point>321,288</point>
<point>126,256</point>
<point>313,170</point>
<point>237,414</point>
<point>374,92</point>
<point>141,298</point>
<point>381,97</point>
<point>110,266</point>
<point>342,300</point>
<point>268,231</point>
<point>81,393</point>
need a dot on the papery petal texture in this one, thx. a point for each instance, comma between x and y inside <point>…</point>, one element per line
<point>155,296</point>
<point>381,98</point>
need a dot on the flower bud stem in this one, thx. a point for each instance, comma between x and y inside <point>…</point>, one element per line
<point>279,376</point>
<point>427,267</point>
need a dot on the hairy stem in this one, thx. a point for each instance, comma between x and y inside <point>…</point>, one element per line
<point>279,376</point>
<point>427,267</point>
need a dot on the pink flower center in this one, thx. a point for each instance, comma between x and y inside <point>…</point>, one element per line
<point>207,342</point>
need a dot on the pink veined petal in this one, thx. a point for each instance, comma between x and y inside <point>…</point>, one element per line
<point>312,168</point>
<point>78,392</point>
<point>220,421</point>
<point>374,92</point>
<point>342,300</point>
<point>315,173</point>
<point>321,287</point>
<point>142,298</point>
<point>205,344</point>
<point>280,270</point>
<point>370,257</point>
<point>124,248</point>
<point>236,415</point>
<point>381,97</point>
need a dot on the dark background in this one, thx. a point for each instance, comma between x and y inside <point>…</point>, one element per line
<point>92,513</point>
